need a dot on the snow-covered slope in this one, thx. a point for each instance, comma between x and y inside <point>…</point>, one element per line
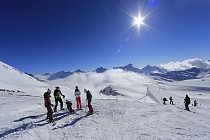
<point>13,80</point>
<point>112,120</point>
<point>136,112</point>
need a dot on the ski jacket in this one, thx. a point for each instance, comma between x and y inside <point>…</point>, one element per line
<point>187,100</point>
<point>68,103</point>
<point>57,94</point>
<point>89,96</point>
<point>47,100</point>
<point>77,93</point>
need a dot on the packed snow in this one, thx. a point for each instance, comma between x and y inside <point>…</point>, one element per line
<point>135,113</point>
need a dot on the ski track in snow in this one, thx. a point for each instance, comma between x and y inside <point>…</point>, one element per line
<point>112,119</point>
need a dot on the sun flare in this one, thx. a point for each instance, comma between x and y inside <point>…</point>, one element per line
<point>138,21</point>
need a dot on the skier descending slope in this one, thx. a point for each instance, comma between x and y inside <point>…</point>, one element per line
<point>47,103</point>
<point>89,98</point>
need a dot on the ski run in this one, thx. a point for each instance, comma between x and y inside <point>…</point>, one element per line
<point>129,107</point>
<point>112,119</point>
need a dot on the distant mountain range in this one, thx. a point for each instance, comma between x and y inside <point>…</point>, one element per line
<point>62,74</point>
<point>155,71</point>
<point>195,68</point>
<point>192,73</point>
<point>57,75</point>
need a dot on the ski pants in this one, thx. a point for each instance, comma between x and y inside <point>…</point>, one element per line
<point>90,107</point>
<point>79,104</point>
<point>187,106</point>
<point>49,112</point>
<point>56,104</point>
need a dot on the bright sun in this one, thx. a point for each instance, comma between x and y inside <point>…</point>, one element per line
<point>138,21</point>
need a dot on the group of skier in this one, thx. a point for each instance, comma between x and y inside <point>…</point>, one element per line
<point>186,102</point>
<point>57,95</point>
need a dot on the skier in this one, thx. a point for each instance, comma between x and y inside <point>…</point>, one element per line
<point>195,103</point>
<point>47,103</point>
<point>89,98</point>
<point>78,99</point>
<point>164,100</point>
<point>171,100</point>
<point>187,102</point>
<point>57,95</point>
<point>69,106</point>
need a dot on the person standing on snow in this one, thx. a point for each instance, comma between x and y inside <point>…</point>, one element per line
<point>48,105</point>
<point>78,99</point>
<point>171,100</point>
<point>57,95</point>
<point>195,103</point>
<point>89,98</point>
<point>187,102</point>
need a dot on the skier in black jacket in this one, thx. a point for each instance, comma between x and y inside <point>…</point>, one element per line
<point>164,101</point>
<point>171,100</point>
<point>89,98</point>
<point>187,102</point>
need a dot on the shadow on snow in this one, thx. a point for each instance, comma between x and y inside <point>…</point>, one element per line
<point>73,122</point>
<point>17,129</point>
<point>29,117</point>
<point>30,125</point>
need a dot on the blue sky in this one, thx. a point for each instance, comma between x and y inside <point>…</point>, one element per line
<point>39,36</point>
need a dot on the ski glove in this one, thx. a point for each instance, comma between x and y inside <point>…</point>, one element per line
<point>63,96</point>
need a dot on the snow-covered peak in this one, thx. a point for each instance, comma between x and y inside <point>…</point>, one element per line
<point>79,71</point>
<point>152,69</point>
<point>129,67</point>
<point>100,70</point>
<point>57,75</point>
